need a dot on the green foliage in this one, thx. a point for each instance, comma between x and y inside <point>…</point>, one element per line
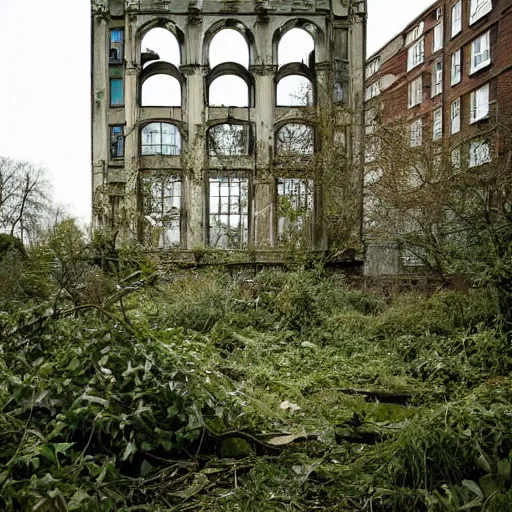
<point>266,392</point>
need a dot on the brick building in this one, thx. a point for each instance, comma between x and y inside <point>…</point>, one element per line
<point>448,77</point>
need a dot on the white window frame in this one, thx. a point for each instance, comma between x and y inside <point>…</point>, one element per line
<point>437,124</point>
<point>373,90</point>
<point>437,41</point>
<point>372,67</point>
<point>478,9</point>
<point>456,67</point>
<point>479,104</point>
<point>414,34</point>
<point>415,92</point>
<point>455,116</point>
<point>480,52</point>
<point>416,133</point>
<point>437,77</point>
<point>457,18</point>
<point>479,152</point>
<point>416,54</point>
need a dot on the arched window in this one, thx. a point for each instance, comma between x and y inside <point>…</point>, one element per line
<point>162,42</point>
<point>294,91</point>
<point>295,138</point>
<point>161,91</point>
<point>295,46</point>
<point>229,140</point>
<point>160,139</point>
<point>229,45</point>
<point>228,91</point>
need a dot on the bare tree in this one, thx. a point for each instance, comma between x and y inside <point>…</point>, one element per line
<point>24,198</point>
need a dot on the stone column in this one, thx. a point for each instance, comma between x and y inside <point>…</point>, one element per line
<point>193,178</point>
<point>99,107</point>
<point>264,190</point>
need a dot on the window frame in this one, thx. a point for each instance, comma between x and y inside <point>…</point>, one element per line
<point>304,208</point>
<point>473,160</point>
<point>415,92</point>
<point>479,111</point>
<point>120,58</point>
<point>416,133</point>
<point>456,68</point>
<point>437,124</point>
<point>456,22</point>
<point>437,77</point>
<point>111,82</point>
<point>486,37</point>
<point>438,38</point>
<point>243,212</point>
<point>113,142</point>
<point>474,15</point>
<point>178,145</point>
<point>416,54</point>
<point>455,116</point>
<point>159,217</point>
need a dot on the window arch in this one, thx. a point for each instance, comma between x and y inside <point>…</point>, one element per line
<point>159,138</point>
<point>228,45</point>
<point>161,91</point>
<point>160,44</point>
<point>228,91</point>
<point>229,139</point>
<point>295,138</point>
<point>296,45</point>
<point>294,91</point>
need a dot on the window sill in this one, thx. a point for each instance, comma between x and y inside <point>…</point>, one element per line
<point>481,67</point>
<point>479,120</point>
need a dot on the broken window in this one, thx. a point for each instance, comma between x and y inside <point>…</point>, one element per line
<point>295,203</point>
<point>163,45</point>
<point>116,142</point>
<point>161,198</point>
<point>116,92</point>
<point>160,139</point>
<point>296,46</point>
<point>229,140</point>
<point>229,91</point>
<point>161,91</point>
<point>294,91</point>
<point>295,138</point>
<point>229,220</point>
<point>116,45</point>
<point>229,45</point>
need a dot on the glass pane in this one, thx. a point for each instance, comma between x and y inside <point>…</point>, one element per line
<point>116,91</point>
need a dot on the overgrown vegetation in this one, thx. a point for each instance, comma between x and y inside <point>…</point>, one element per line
<point>127,389</point>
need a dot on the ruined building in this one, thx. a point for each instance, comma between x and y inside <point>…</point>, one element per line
<point>257,144</point>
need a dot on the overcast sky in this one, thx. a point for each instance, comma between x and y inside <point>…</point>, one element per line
<point>45,81</point>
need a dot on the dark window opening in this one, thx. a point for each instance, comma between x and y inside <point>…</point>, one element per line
<point>116,92</point>
<point>160,139</point>
<point>116,45</point>
<point>162,211</point>
<point>295,203</point>
<point>229,140</point>
<point>116,142</point>
<point>229,212</point>
<point>295,138</point>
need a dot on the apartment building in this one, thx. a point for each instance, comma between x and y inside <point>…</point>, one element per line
<point>188,148</point>
<point>448,77</point>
